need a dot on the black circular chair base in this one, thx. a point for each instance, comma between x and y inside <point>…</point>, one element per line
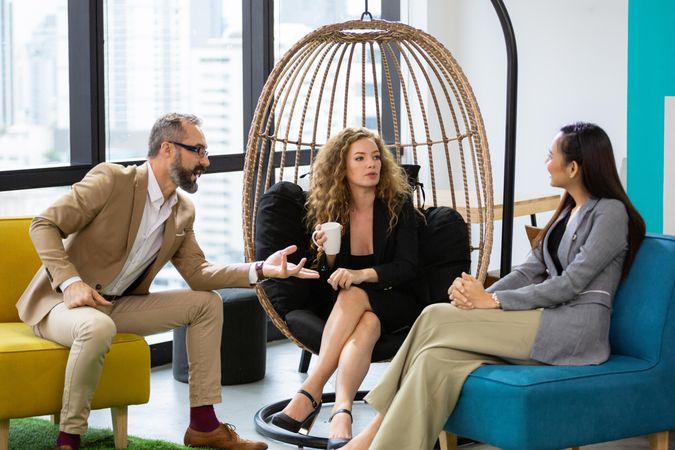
<point>264,427</point>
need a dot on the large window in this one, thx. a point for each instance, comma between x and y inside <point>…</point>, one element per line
<point>34,107</point>
<point>29,202</point>
<point>172,55</point>
<point>295,18</point>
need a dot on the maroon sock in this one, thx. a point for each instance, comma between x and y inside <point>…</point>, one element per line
<point>68,439</point>
<point>203,418</point>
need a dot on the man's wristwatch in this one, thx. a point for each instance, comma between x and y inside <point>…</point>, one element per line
<point>259,271</point>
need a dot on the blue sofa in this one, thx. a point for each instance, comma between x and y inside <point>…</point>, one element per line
<point>554,407</point>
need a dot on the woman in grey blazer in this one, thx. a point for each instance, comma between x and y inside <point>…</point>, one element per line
<point>553,309</point>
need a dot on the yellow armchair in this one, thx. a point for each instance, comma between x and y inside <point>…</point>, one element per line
<point>32,369</point>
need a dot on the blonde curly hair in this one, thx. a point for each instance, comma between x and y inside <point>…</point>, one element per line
<point>329,199</point>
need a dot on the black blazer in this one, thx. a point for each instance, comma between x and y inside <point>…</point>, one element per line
<point>395,252</point>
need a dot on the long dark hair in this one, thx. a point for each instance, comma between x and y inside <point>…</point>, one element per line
<point>590,147</point>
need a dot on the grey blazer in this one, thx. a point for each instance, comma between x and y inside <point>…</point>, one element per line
<point>577,305</point>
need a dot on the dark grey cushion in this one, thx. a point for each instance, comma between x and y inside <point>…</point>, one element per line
<point>444,253</point>
<point>280,222</point>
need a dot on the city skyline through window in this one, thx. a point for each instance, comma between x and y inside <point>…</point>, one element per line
<point>34,94</point>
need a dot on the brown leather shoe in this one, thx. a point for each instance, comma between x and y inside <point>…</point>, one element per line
<point>223,437</point>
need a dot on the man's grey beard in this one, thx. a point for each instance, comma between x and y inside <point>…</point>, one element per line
<point>183,177</point>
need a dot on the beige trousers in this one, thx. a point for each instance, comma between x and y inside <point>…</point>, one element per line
<point>89,333</point>
<point>421,386</point>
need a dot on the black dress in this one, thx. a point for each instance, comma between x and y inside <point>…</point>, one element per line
<point>395,261</point>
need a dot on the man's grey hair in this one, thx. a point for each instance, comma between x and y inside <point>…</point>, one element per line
<point>169,127</point>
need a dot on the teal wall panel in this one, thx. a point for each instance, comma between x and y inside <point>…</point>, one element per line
<point>651,77</point>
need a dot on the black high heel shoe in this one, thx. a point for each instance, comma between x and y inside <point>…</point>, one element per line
<point>339,442</point>
<point>286,422</point>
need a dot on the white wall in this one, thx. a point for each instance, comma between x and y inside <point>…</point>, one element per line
<point>572,59</point>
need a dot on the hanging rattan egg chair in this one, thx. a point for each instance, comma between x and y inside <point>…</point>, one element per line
<point>388,77</point>
<point>392,78</point>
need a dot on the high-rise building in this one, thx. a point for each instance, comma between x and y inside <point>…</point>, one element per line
<point>41,58</point>
<point>34,101</point>
<point>147,69</point>
<point>215,97</point>
<point>206,21</point>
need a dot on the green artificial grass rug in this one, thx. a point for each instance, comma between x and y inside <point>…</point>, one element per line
<point>39,434</point>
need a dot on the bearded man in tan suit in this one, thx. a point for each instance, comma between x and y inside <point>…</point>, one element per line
<point>101,246</point>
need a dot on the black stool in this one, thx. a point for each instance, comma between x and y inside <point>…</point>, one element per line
<point>243,348</point>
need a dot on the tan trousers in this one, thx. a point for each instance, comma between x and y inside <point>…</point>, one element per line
<point>421,386</point>
<point>89,333</point>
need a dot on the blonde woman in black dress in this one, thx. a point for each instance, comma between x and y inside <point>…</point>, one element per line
<point>356,182</point>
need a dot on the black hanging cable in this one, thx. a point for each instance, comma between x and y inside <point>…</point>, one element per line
<point>366,13</point>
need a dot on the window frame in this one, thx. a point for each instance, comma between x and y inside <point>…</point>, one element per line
<point>87,93</point>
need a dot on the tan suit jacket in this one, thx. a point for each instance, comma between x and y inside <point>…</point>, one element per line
<point>90,231</point>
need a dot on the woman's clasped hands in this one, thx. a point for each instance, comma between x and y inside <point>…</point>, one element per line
<point>466,292</point>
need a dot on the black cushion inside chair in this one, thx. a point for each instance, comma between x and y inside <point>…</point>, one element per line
<point>307,327</point>
<point>280,222</point>
<point>444,253</point>
<point>444,246</point>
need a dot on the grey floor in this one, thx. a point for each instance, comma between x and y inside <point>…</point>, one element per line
<point>166,415</point>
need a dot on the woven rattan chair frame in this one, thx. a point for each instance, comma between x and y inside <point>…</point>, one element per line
<point>385,76</point>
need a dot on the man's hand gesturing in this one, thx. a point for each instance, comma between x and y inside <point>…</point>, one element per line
<point>277,266</point>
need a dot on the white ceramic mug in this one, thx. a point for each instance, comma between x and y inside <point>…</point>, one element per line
<point>333,237</point>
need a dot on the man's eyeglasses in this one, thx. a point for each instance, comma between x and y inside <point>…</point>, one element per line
<point>198,149</point>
